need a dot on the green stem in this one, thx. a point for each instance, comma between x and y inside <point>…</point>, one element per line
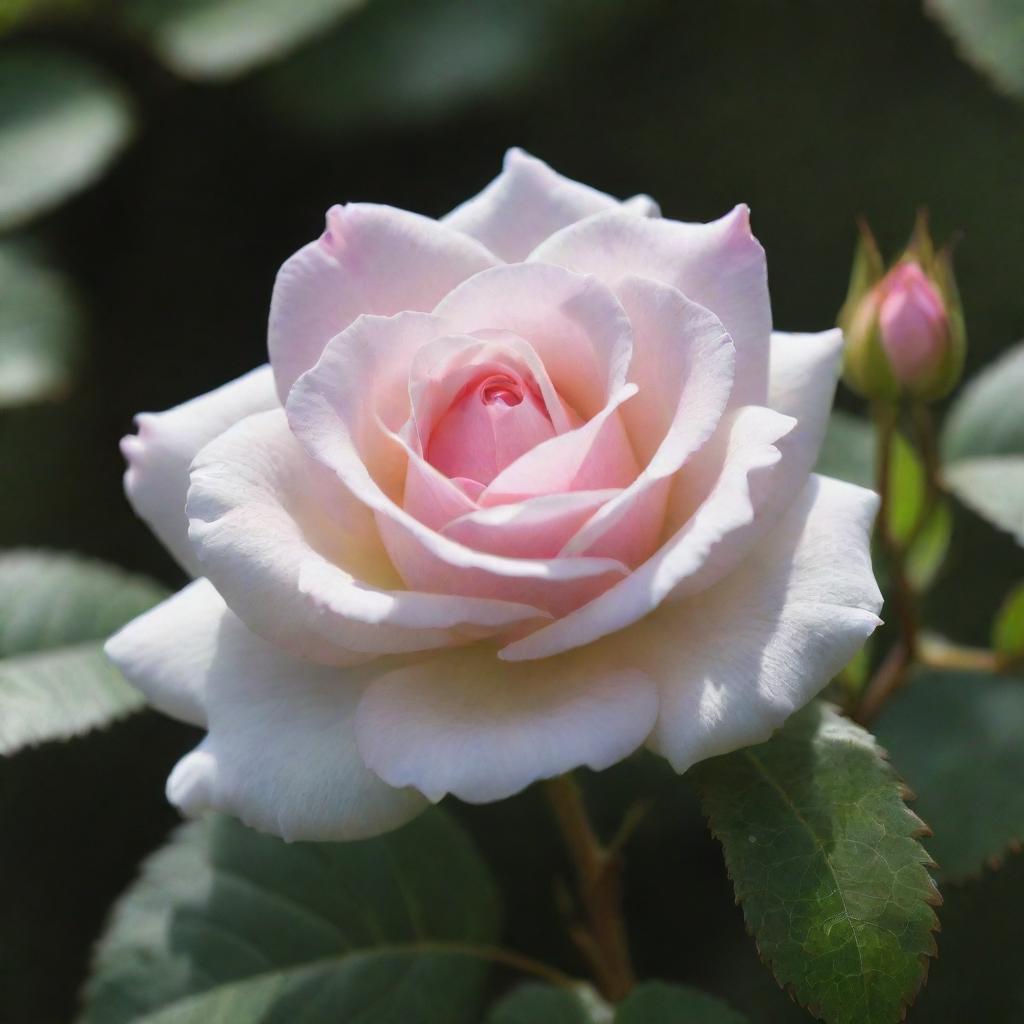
<point>602,937</point>
<point>903,594</point>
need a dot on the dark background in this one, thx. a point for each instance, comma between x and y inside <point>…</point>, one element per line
<point>811,111</point>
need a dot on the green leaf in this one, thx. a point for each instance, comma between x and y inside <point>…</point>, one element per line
<point>983,441</point>
<point>825,859</point>
<point>227,925</point>
<point>220,39</point>
<point>535,1003</point>
<point>650,1002</point>
<point>655,1002</point>
<point>906,489</point>
<point>927,554</point>
<point>990,35</point>
<point>987,417</point>
<point>62,121</point>
<point>1008,628</point>
<point>993,488</point>
<point>848,450</point>
<point>38,330</point>
<point>55,612</point>
<point>956,738</point>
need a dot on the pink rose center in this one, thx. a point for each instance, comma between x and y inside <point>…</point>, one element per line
<point>497,417</point>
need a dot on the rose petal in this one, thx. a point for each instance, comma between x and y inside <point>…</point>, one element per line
<point>469,725</point>
<point>529,201</point>
<point>298,559</point>
<point>575,324</point>
<point>727,497</point>
<point>441,367</point>
<point>534,528</point>
<point>167,652</point>
<point>371,259</point>
<point>683,364</point>
<point>595,456</point>
<point>156,480</point>
<point>796,611</point>
<point>364,375</point>
<point>731,485</point>
<point>281,753</point>
<point>719,265</point>
<point>319,411</point>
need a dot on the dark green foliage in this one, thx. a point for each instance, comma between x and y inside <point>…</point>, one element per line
<point>62,120</point>
<point>958,740</point>
<point>55,612</point>
<point>229,925</point>
<point>826,863</point>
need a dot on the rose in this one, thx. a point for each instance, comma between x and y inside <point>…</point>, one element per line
<point>520,490</point>
<point>904,327</point>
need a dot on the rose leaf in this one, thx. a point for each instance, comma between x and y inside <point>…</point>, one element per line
<point>62,121</point>
<point>535,1003</point>
<point>55,612</point>
<point>987,417</point>
<point>226,925</point>
<point>655,1002</point>
<point>1008,628</point>
<point>825,860</point>
<point>650,1002</point>
<point>221,39</point>
<point>955,738</point>
<point>990,35</point>
<point>993,488</point>
<point>38,330</point>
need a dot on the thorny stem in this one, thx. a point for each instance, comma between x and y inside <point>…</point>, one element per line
<point>601,937</point>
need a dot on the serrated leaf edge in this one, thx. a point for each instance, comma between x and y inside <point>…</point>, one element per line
<point>921,829</point>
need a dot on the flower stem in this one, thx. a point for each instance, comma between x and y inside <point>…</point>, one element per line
<point>939,653</point>
<point>602,937</point>
<point>885,417</point>
<point>891,675</point>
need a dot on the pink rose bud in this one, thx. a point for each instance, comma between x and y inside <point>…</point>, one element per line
<point>904,328</point>
<point>912,322</point>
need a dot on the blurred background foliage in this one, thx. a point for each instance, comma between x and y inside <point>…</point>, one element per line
<point>159,160</point>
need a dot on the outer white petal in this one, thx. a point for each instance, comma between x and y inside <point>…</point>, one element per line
<point>735,662</point>
<point>466,724</point>
<point>529,201</point>
<point>280,752</point>
<point>371,259</point>
<point>167,652</point>
<point>156,480</point>
<point>719,265</point>
<point>298,558</point>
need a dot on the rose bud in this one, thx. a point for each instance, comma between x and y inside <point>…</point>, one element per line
<point>904,328</point>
